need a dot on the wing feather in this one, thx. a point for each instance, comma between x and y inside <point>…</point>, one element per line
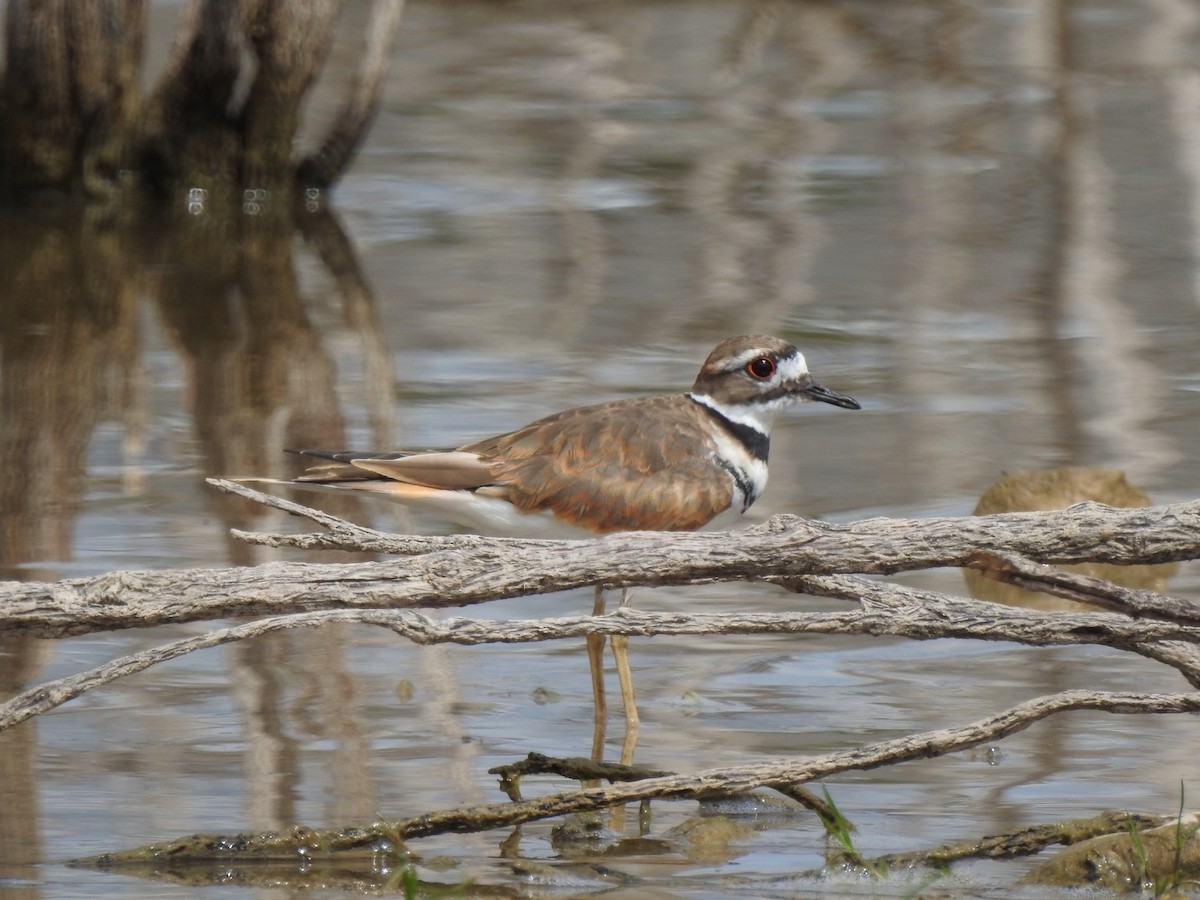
<point>453,470</point>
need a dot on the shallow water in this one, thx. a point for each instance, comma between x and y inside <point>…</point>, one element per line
<point>982,227</point>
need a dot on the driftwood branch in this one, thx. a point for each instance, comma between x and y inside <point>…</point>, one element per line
<point>1033,576</point>
<point>330,160</point>
<point>804,556</point>
<point>886,610</point>
<point>1024,841</point>
<point>1082,533</point>
<point>468,569</point>
<point>578,768</point>
<point>733,779</point>
<point>459,571</point>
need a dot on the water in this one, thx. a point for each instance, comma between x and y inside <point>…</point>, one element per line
<point>984,233</point>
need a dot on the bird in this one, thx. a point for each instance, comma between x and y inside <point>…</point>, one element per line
<point>675,462</point>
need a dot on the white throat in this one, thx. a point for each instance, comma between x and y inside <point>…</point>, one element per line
<point>759,416</point>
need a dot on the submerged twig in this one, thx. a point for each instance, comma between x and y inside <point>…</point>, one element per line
<point>737,779</point>
<point>1025,841</point>
<point>580,768</point>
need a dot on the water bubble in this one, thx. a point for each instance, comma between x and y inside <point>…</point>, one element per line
<point>543,695</point>
<point>197,197</point>
<point>254,201</point>
<point>383,855</point>
<point>305,854</point>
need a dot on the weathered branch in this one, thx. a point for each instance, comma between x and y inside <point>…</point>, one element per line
<point>1024,841</point>
<point>290,43</point>
<point>326,165</point>
<point>575,768</point>
<point>1083,533</point>
<point>888,609</point>
<point>226,110</point>
<point>1032,576</point>
<point>803,556</point>
<point>993,619</point>
<point>737,779</point>
<point>578,768</point>
<point>459,571</point>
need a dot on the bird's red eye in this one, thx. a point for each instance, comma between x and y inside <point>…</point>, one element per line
<point>762,367</point>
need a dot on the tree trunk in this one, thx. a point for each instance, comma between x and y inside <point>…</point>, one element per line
<point>69,91</point>
<point>221,119</point>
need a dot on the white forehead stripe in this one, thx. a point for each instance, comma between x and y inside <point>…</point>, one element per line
<point>792,366</point>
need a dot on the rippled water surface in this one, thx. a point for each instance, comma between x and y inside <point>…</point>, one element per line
<point>980,219</point>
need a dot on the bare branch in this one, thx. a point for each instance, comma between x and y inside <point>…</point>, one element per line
<point>324,166</point>
<point>1026,841</point>
<point>345,535</point>
<point>1032,576</point>
<point>1083,533</point>
<point>332,522</point>
<point>734,779</point>
<point>463,570</point>
<point>901,601</point>
<point>290,42</point>
<point>889,609</point>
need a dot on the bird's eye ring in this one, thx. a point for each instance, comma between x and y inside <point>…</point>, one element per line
<point>761,367</point>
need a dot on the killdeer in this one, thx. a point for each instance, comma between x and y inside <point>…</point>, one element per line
<point>677,462</point>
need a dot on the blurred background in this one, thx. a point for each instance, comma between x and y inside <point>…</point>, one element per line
<point>981,219</point>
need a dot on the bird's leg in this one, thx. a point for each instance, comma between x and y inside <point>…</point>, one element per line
<point>620,649</point>
<point>595,650</point>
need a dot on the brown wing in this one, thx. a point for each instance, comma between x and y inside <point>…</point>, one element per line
<point>630,464</point>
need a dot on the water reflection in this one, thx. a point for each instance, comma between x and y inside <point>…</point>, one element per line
<point>72,320</point>
<point>65,350</point>
<point>68,338</point>
<point>257,373</point>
